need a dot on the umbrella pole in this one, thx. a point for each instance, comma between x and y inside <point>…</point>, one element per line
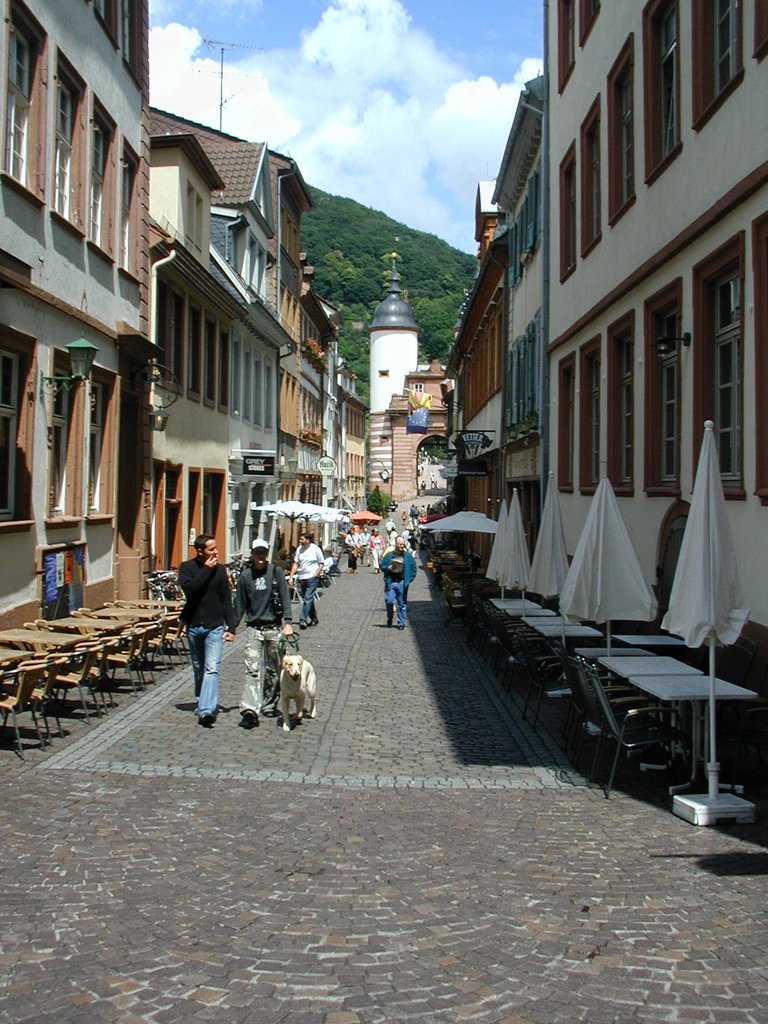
<point>713,768</point>
<point>608,635</point>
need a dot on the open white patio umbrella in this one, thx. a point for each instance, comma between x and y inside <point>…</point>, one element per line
<point>493,572</point>
<point>705,608</point>
<point>605,580</point>
<point>516,563</point>
<point>294,510</point>
<point>549,565</point>
<point>463,522</point>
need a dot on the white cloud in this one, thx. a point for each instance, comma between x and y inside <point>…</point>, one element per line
<point>367,104</point>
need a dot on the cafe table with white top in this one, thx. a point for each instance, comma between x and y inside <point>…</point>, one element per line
<point>515,605</point>
<point>694,689</point>
<point>649,639</point>
<point>638,665</point>
<point>559,627</point>
<point>593,653</point>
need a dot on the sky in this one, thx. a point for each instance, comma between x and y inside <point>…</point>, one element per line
<point>402,105</point>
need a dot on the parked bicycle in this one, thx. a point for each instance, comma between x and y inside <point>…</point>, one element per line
<point>163,585</point>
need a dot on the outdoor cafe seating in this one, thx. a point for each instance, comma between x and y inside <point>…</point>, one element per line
<point>88,655</point>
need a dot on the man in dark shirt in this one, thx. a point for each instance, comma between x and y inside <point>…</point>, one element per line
<point>207,610</point>
<point>263,598</point>
<point>399,568</point>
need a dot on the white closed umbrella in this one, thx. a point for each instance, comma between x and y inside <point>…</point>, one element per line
<point>705,608</point>
<point>549,565</point>
<point>516,565</point>
<point>493,572</point>
<point>605,580</point>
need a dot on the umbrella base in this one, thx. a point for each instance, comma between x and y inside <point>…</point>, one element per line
<point>702,809</point>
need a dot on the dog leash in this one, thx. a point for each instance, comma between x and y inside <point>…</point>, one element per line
<point>287,644</point>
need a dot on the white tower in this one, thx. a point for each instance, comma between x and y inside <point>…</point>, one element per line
<point>394,337</point>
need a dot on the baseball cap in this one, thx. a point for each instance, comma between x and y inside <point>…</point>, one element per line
<point>260,545</point>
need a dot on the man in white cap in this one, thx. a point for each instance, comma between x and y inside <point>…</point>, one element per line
<point>263,598</point>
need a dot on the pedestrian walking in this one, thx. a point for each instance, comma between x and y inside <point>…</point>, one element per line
<point>263,599</point>
<point>376,548</point>
<point>399,568</point>
<point>307,569</point>
<point>365,551</point>
<point>352,543</point>
<point>207,611</point>
<point>391,529</point>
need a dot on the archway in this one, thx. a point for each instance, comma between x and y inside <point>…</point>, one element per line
<point>430,462</point>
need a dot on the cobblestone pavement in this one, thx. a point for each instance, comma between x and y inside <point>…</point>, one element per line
<point>415,853</point>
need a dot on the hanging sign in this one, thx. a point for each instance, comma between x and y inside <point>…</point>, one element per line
<point>326,465</point>
<point>258,465</point>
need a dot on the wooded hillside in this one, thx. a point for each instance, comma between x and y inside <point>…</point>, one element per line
<point>347,244</point>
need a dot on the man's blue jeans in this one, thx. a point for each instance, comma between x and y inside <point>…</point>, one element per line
<point>396,595</point>
<point>205,646</point>
<point>308,589</point>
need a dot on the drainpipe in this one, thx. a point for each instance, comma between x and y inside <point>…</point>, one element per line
<point>544,417</point>
<point>153,292</point>
<point>504,366</point>
<point>287,174</point>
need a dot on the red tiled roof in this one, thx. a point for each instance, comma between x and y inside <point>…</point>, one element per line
<point>236,160</point>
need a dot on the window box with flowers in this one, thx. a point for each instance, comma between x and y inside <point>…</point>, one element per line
<point>311,434</point>
<point>313,353</point>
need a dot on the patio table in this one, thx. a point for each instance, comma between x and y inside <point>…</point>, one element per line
<point>124,614</point>
<point>515,605</point>
<point>36,639</point>
<point>593,653</point>
<point>8,655</point>
<point>556,627</point>
<point>633,665</point>
<point>649,639</point>
<point>694,689</point>
<point>85,625</point>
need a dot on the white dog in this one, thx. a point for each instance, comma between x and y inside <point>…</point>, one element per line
<point>297,684</point>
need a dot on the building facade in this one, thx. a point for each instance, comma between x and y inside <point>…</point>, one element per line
<point>74,446</point>
<point>659,250</point>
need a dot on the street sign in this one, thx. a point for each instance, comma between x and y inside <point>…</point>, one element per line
<point>326,465</point>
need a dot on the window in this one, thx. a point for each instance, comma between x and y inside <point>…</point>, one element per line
<point>95,434</point>
<point>258,392</point>
<point>621,133</point>
<point>662,85</point>
<point>568,214</point>
<point>129,34</point>
<point>127,230</point>
<point>102,187</point>
<point>716,54</point>
<point>9,397</point>
<point>565,422</point>
<point>247,387</point>
<point>236,386</point>
<point>566,40</point>
<point>107,14</point>
<point>209,361</point>
<point>588,12</point>
<point>760,292</point>
<point>65,411</point>
<point>727,339</point>
<point>523,379</point>
<point>718,357</point>
<point>193,223</point>
<point>662,392</point>
<point>195,326</point>
<point>224,370</point>
<point>25,102</point>
<point>269,396</point>
<point>621,404</point>
<point>589,416</point>
<point>761,29</point>
<point>65,117</point>
<point>590,179</point>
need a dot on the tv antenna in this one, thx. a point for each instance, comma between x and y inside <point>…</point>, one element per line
<point>217,44</point>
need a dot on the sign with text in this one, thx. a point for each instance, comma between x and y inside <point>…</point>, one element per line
<point>258,465</point>
<point>470,443</point>
<point>326,465</point>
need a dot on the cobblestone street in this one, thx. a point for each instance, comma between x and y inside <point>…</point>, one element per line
<point>415,853</point>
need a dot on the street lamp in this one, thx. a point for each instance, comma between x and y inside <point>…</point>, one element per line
<point>81,355</point>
